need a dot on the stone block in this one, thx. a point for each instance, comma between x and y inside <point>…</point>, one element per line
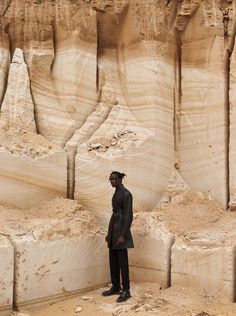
<point>6,275</point>
<point>207,267</point>
<point>47,269</point>
<point>150,259</point>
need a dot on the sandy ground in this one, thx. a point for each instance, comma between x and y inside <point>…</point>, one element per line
<point>147,300</point>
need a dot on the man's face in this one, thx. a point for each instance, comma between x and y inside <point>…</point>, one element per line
<point>114,180</point>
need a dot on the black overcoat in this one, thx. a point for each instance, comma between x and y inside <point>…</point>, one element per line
<point>121,219</point>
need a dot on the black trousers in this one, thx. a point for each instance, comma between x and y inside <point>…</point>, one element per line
<point>119,263</point>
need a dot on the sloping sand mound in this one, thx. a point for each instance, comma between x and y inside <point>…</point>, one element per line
<point>189,210</point>
<point>25,143</point>
<point>55,219</point>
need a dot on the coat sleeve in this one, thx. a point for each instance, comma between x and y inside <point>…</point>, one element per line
<point>128,214</point>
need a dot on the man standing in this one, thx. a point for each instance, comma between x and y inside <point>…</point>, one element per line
<point>119,238</point>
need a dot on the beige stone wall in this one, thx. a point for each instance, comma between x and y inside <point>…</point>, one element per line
<point>158,72</point>
<point>141,86</point>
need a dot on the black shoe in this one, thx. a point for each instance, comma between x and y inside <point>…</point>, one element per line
<point>123,296</point>
<point>113,290</point>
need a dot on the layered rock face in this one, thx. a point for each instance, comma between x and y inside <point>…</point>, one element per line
<point>140,86</point>
<point>51,250</point>
<point>120,83</point>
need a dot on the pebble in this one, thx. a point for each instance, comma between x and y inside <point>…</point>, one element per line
<point>78,309</point>
<point>85,298</point>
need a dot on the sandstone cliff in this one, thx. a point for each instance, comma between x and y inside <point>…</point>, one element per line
<point>145,87</point>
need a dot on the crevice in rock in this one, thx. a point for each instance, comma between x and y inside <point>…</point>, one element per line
<point>71,153</point>
<point>35,114</point>
<point>7,7</point>
<point>4,30</point>
<point>97,76</point>
<point>120,55</point>
<point>14,303</point>
<point>229,47</point>
<point>10,40</point>
<point>90,126</point>
<point>54,45</point>
<point>5,83</point>
<point>169,260</point>
<point>33,99</point>
<point>177,95</point>
<point>234,274</point>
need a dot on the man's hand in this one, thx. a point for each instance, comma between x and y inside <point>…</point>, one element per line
<point>120,240</point>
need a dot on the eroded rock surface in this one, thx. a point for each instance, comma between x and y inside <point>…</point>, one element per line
<point>204,259</point>
<point>150,260</point>
<point>56,243</point>
<point>17,109</point>
<point>6,274</point>
<point>98,69</point>
<point>32,169</point>
<point>144,87</point>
